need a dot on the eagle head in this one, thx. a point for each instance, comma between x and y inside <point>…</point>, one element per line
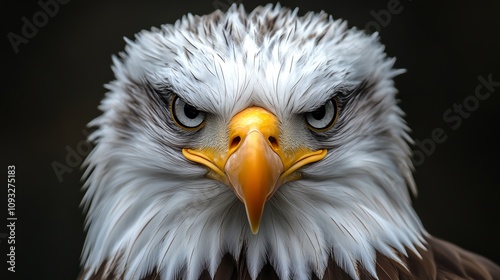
<point>269,136</point>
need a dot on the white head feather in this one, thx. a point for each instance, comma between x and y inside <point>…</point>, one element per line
<point>149,207</point>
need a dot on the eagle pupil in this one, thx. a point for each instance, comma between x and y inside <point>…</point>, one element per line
<point>190,111</point>
<point>319,113</point>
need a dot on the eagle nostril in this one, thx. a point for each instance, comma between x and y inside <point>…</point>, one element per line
<point>235,142</point>
<point>273,142</point>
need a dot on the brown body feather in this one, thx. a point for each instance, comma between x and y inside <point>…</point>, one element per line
<point>442,260</point>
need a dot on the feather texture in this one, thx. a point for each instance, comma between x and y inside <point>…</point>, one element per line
<point>152,214</point>
<point>440,260</point>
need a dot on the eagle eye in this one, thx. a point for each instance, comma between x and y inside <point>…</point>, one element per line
<point>186,115</point>
<point>324,117</point>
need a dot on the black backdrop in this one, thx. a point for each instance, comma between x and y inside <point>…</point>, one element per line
<point>51,88</point>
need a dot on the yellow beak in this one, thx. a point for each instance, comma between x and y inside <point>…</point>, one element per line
<point>254,164</point>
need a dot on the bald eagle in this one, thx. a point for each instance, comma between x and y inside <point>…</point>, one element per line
<point>260,145</point>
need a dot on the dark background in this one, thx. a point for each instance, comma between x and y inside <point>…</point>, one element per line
<point>51,89</point>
